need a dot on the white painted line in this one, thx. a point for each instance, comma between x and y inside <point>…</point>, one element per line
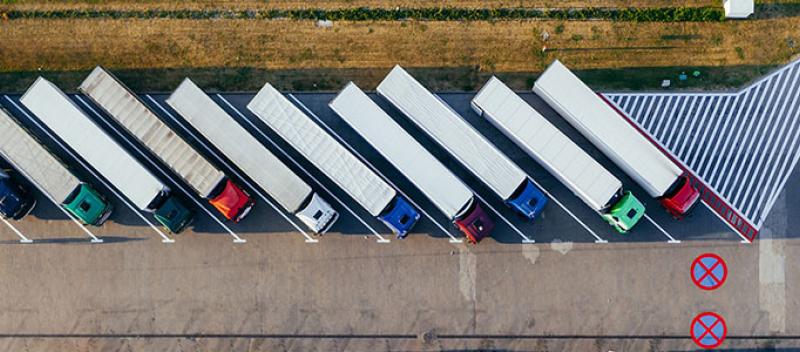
<point>656,113</point>
<point>671,239</point>
<point>164,238</point>
<point>261,195</point>
<point>645,113</point>
<point>22,238</point>
<point>712,175</point>
<point>158,167</point>
<point>742,150</point>
<point>707,121</point>
<point>381,239</point>
<point>681,141</point>
<point>525,239</point>
<point>769,172</point>
<point>754,165</point>
<point>705,161</point>
<point>744,239</point>
<point>672,122</point>
<point>784,171</point>
<point>598,239</point>
<point>341,140</point>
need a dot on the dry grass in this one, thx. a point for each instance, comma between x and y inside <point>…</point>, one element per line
<point>333,4</point>
<point>507,46</point>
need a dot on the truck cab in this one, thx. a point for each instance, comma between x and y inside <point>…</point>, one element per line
<point>233,202</point>
<point>88,205</point>
<point>317,214</point>
<point>680,198</point>
<point>173,215</point>
<point>528,200</point>
<point>15,201</point>
<point>625,212</point>
<point>399,216</point>
<point>474,222</point>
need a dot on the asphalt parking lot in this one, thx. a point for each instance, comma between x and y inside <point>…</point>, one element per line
<point>349,289</point>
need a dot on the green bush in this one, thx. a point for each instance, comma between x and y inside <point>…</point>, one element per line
<point>680,14</point>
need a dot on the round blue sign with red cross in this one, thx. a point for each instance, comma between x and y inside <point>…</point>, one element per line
<point>708,330</point>
<point>709,271</point>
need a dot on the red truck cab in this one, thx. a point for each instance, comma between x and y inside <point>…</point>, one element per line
<point>681,197</point>
<point>233,202</point>
<point>474,223</point>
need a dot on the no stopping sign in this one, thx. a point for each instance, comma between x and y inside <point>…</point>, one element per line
<point>708,330</point>
<point>709,271</point>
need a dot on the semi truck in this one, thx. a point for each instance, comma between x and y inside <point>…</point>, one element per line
<point>207,181</point>
<point>69,123</point>
<point>545,143</point>
<point>334,160</point>
<point>49,175</point>
<point>432,178</point>
<point>447,128</point>
<point>250,156</point>
<point>617,138</point>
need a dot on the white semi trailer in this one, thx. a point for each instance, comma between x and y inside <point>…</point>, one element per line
<point>250,156</point>
<point>534,134</point>
<point>49,175</point>
<point>432,178</point>
<point>617,138</point>
<point>463,142</point>
<point>128,111</point>
<point>335,161</point>
<point>60,114</point>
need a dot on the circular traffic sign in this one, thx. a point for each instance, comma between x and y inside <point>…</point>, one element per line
<point>709,271</point>
<point>708,330</point>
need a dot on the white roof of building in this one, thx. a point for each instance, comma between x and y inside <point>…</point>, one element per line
<point>70,124</point>
<point>239,146</point>
<point>738,8</point>
<point>322,150</point>
<point>443,188</point>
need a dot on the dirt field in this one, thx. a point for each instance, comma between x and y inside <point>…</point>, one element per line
<point>506,46</point>
<point>332,4</point>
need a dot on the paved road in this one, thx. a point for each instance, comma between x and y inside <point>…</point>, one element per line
<point>350,292</point>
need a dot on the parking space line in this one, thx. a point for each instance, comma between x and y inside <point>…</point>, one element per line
<point>453,239</point>
<point>269,202</point>
<point>164,238</point>
<point>381,239</point>
<point>22,238</point>
<point>671,239</point>
<point>166,174</point>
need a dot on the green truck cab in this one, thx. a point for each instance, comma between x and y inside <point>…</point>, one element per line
<point>88,205</point>
<point>173,215</point>
<point>625,212</point>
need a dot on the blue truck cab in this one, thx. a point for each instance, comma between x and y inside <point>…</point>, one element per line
<point>528,200</point>
<point>15,201</point>
<point>399,216</point>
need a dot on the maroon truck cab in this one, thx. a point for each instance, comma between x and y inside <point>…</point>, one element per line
<point>680,199</point>
<point>474,223</point>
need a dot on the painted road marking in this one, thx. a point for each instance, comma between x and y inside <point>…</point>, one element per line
<point>744,146</point>
<point>708,330</point>
<point>661,229</point>
<point>22,238</point>
<point>453,239</point>
<point>381,239</point>
<point>269,202</point>
<point>164,238</point>
<point>709,271</point>
<point>158,167</point>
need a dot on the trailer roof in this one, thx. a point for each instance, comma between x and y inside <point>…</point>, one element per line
<point>322,150</point>
<point>239,146</point>
<point>609,131</point>
<point>550,147</point>
<point>446,191</point>
<point>33,161</point>
<point>450,130</point>
<point>77,130</point>
<point>126,108</point>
